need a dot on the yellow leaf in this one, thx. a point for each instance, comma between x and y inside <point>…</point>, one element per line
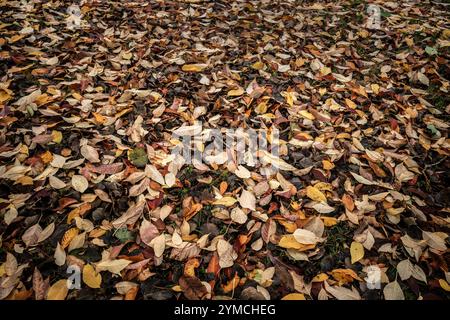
<point>344,276</point>
<point>290,97</point>
<point>324,186</point>
<point>42,99</point>
<point>99,118</point>
<point>68,236</point>
<point>127,55</point>
<point>289,242</point>
<point>290,226</point>
<point>16,38</point>
<point>177,288</point>
<point>92,278</point>
<point>299,62</point>
<point>236,92</point>
<point>261,108</point>
<point>25,181</point>
<point>350,104</point>
<point>294,296</point>
<point>320,277</point>
<point>363,33</point>
<point>444,285</point>
<point>258,65</point>
<point>193,67</point>
<point>58,291</point>
<point>57,136</point>
<point>375,88</point>
<point>306,114</point>
<point>124,111</point>
<point>325,70</point>
<point>96,233</point>
<point>343,136</point>
<point>327,165</point>
<point>315,194</point>
<point>225,201</point>
<point>446,34</point>
<point>5,95</point>
<point>329,221</point>
<point>356,251</point>
<point>409,41</point>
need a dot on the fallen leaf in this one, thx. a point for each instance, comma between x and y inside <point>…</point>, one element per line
<point>31,235</point>
<point>192,287</point>
<point>356,251</point>
<point>315,194</point>
<point>306,237</point>
<point>226,253</point>
<point>79,183</point>
<point>294,296</point>
<point>58,291</point>
<point>393,291</point>
<point>113,266</point>
<point>90,277</point>
<point>193,67</point>
<point>247,200</point>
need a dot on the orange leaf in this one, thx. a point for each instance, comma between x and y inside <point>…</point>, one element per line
<point>213,266</point>
<point>79,211</point>
<point>223,187</point>
<point>47,157</point>
<point>196,207</point>
<point>232,284</point>
<point>68,236</point>
<point>131,294</point>
<point>190,266</point>
<point>348,202</point>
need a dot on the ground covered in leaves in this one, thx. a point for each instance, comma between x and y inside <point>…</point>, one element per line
<point>90,97</point>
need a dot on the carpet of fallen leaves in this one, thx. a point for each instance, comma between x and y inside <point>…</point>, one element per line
<point>90,96</point>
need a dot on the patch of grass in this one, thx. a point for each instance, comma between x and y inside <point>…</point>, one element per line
<point>337,236</point>
<point>357,2</point>
<point>437,98</point>
<point>385,14</point>
<point>359,17</point>
<point>224,229</point>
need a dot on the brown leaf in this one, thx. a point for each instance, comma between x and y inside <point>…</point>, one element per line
<point>31,235</point>
<point>40,286</point>
<point>348,202</point>
<point>68,236</point>
<point>192,287</point>
<point>148,231</point>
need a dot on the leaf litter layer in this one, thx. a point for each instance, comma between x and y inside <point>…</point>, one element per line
<point>89,98</point>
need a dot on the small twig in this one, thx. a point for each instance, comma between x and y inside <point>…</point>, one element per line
<point>434,164</point>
